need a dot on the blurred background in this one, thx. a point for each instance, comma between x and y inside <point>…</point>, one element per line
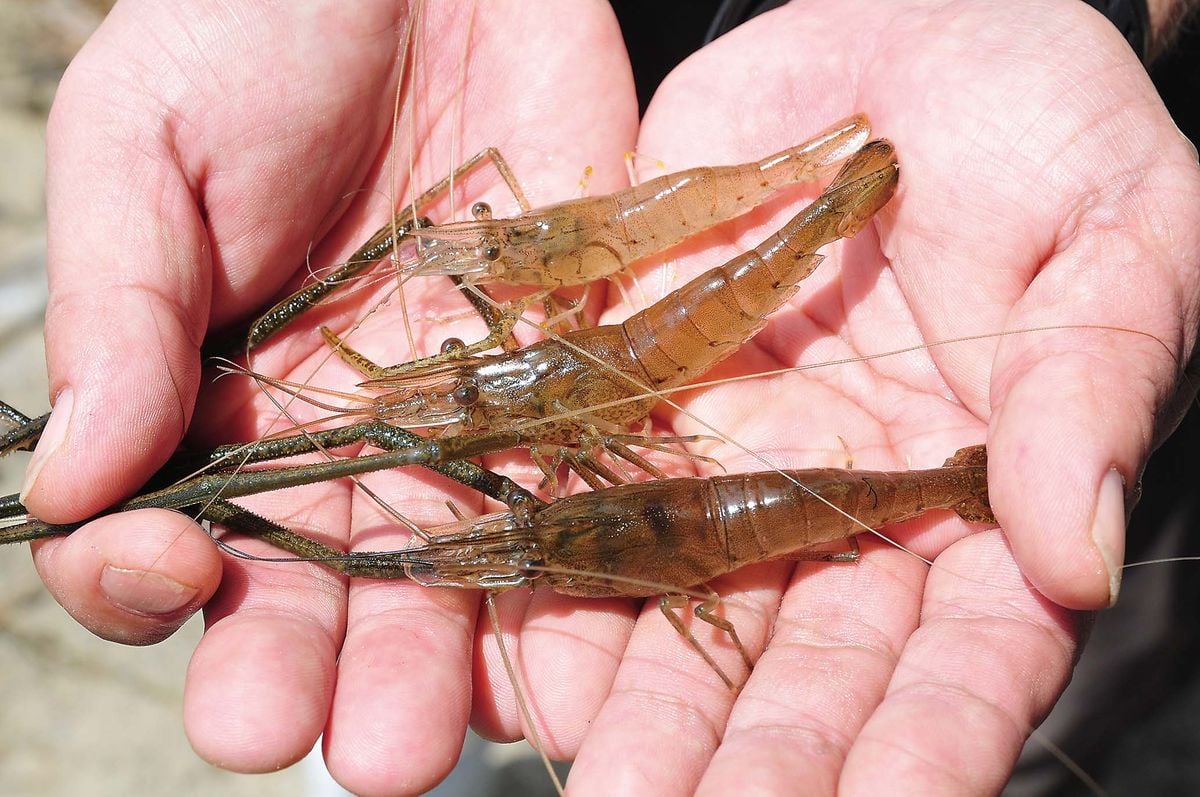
<point>86,717</point>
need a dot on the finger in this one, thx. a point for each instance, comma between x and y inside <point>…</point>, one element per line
<point>988,661</point>
<point>1077,413</point>
<point>261,680</point>
<point>566,652</point>
<point>132,578</point>
<point>1085,215</point>
<point>835,645</point>
<point>404,674</point>
<point>666,714</point>
<point>173,155</point>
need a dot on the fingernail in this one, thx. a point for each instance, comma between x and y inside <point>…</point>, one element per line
<point>142,592</point>
<point>52,437</point>
<point>1108,530</point>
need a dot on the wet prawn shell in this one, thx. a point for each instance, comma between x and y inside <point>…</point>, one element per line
<point>684,532</point>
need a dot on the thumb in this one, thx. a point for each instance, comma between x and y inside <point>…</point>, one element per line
<point>129,300</point>
<point>1076,412</point>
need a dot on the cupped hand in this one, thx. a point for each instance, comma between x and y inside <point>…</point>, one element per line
<point>202,162</point>
<point>1042,185</point>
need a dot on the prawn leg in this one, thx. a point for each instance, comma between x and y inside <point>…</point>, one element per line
<point>500,326</point>
<point>706,611</point>
<point>671,605</point>
<point>594,472</point>
<point>560,310</point>
<point>414,449</point>
<point>202,490</point>
<point>401,448</point>
<point>12,415</point>
<point>375,249</point>
<point>491,314</point>
<point>589,468</point>
<point>243,521</point>
<point>617,445</point>
<point>11,506</point>
<point>25,433</point>
<point>356,564</point>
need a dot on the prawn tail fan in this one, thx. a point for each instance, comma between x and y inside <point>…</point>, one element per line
<point>977,508</point>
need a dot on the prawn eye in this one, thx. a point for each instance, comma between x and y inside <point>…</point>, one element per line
<point>523,505</point>
<point>465,394</point>
<point>490,249</point>
<point>452,344</point>
<point>482,211</point>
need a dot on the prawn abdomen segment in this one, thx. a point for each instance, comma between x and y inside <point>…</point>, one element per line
<point>663,533</point>
<point>775,514</point>
<point>688,331</point>
<point>710,317</point>
<point>696,199</point>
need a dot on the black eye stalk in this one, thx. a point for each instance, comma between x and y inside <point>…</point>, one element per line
<point>491,249</point>
<point>466,394</point>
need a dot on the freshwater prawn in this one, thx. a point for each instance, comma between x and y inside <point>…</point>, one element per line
<point>633,540</point>
<point>640,540</point>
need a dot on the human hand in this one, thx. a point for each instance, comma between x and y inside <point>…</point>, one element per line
<point>1042,183</point>
<point>195,157</point>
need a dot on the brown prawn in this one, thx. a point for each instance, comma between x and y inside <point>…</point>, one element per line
<point>632,540</point>
<point>581,240</point>
<point>670,535</point>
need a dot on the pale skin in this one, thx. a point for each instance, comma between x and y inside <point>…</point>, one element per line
<point>1042,183</point>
